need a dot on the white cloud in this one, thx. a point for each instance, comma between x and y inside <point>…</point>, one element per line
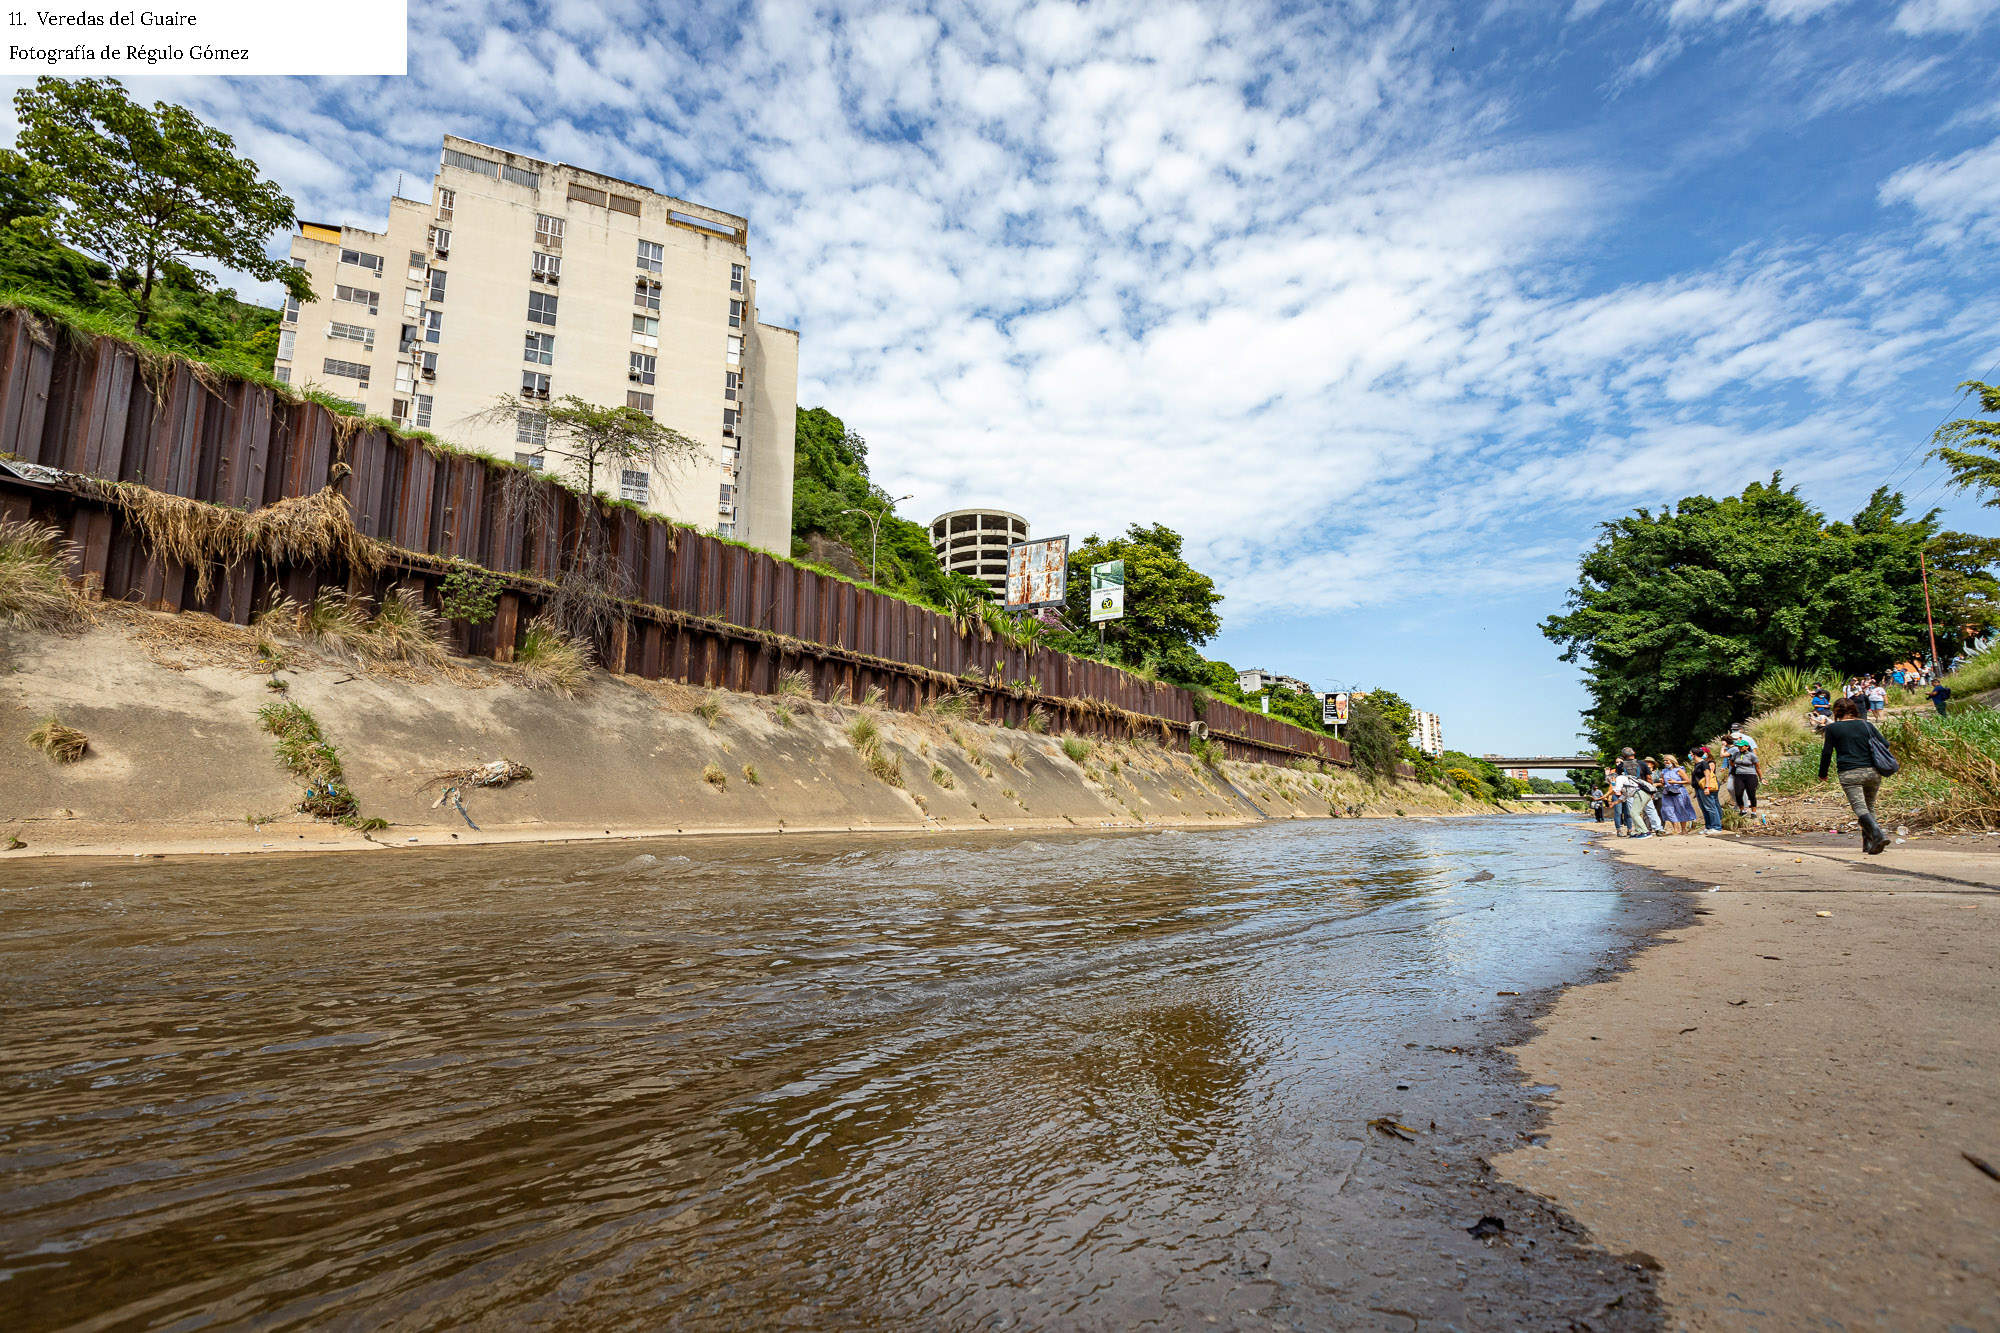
<point>1919,17</point>
<point>1960,197</point>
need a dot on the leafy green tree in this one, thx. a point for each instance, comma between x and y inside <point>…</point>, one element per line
<point>1169,604</point>
<point>588,440</point>
<point>1677,614</point>
<point>148,188</point>
<point>1970,446</point>
<point>1372,739</point>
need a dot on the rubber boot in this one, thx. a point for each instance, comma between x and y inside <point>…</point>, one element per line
<point>1873,839</point>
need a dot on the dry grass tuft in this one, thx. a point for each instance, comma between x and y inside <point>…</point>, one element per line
<point>782,715</point>
<point>404,629</point>
<point>752,776</point>
<point>551,660</point>
<point>889,770</point>
<point>715,777</point>
<point>35,592</point>
<point>874,698</point>
<point>61,742</point>
<point>864,733</point>
<point>942,776</point>
<point>709,709</point>
<point>1038,721</point>
<point>794,686</point>
<point>955,706</point>
<point>210,538</point>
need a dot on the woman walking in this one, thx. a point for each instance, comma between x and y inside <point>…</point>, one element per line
<point>1706,785</point>
<point>1744,772</point>
<point>1848,740</point>
<point>1676,800</point>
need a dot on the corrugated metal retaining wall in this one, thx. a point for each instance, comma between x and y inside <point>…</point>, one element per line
<point>702,610</point>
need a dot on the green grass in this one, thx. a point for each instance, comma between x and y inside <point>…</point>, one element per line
<point>1076,747</point>
<point>1976,674</point>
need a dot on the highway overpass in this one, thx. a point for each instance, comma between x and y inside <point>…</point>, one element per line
<point>1561,762</point>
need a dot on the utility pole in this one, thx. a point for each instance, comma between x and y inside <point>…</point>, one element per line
<point>1923,568</point>
<point>874,531</point>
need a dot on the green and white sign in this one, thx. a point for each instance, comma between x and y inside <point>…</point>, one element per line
<point>1107,591</point>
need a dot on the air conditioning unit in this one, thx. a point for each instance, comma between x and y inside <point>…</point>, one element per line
<point>429,374</point>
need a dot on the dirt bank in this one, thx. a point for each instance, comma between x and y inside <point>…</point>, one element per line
<point>1777,1102</point>
<point>177,761</point>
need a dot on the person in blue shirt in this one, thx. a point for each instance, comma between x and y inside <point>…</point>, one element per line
<point>1939,696</point>
<point>1822,700</point>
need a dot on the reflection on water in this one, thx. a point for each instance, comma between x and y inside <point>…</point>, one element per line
<point>1076,1082</point>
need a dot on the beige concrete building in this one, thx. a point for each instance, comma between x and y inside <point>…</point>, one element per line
<point>974,542</point>
<point>534,280</point>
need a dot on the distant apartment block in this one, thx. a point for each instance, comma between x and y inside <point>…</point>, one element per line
<point>974,542</point>
<point>530,281</point>
<point>1257,679</point>
<point>1428,733</point>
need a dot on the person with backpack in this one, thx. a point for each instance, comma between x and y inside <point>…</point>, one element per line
<point>1864,760</point>
<point>1940,696</point>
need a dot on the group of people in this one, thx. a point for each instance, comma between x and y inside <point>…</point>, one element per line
<point>1648,794</point>
<point>1870,694</point>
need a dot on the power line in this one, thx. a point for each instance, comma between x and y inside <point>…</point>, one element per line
<point>1931,434</point>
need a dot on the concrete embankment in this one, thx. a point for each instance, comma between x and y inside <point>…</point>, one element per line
<point>178,762</point>
<point>1782,1103</point>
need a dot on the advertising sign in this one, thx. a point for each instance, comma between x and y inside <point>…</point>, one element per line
<point>1333,710</point>
<point>1107,591</point>
<point>1037,573</point>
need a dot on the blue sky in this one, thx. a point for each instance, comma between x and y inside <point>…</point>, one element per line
<point>1385,308</point>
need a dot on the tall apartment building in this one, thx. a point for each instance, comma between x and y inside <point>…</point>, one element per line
<point>534,280</point>
<point>974,542</point>
<point>1429,736</point>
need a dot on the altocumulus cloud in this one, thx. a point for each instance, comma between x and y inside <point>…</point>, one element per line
<point>1297,281</point>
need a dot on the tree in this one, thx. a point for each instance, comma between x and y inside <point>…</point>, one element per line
<point>148,189</point>
<point>1970,446</point>
<point>1169,605</point>
<point>590,439</point>
<point>1677,614</point>
<point>1372,740</point>
<point>829,477</point>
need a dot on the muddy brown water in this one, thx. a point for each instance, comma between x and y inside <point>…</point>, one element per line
<point>1091,1081</point>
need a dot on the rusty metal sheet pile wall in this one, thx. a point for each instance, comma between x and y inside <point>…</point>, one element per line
<point>92,406</point>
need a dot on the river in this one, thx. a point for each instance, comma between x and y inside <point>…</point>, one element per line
<point>1081,1081</point>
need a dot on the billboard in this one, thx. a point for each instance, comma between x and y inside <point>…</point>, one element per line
<point>1107,591</point>
<point>1037,573</point>
<point>1333,710</point>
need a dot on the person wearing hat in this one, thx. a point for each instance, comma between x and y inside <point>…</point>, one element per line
<point>1744,773</point>
<point>1641,773</point>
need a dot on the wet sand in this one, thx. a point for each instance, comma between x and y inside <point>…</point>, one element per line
<point>1776,1104</point>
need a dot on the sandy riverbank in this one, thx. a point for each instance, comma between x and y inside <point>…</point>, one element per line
<point>1776,1102</point>
<point>178,764</point>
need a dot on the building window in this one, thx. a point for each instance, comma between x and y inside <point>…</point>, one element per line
<point>730,379</point>
<point>652,257</point>
<point>288,342</point>
<point>639,402</point>
<point>548,231</point>
<point>418,265</point>
<point>540,348</point>
<point>548,268</point>
<point>348,370</point>
<point>531,428</point>
<point>359,296</point>
<point>399,409</point>
<point>447,200</point>
<point>643,369</point>
<point>531,179</point>
<point>728,421</point>
<point>291,310</point>
<point>541,308</point>
<point>645,331</point>
<point>437,284</point>
<point>413,300</point>
<point>373,263</point>
<point>736,277</point>
<point>406,377</point>
<point>440,242</point>
<point>633,485</point>
<point>735,314</point>
<point>646,294</point>
<point>467,162</point>
<point>407,340</point>
<point>725,529</point>
<point>283,374</point>
<point>346,333</point>
<point>728,496</point>
<point>422,416</point>
<point>429,365</point>
<point>735,354</point>
<point>534,384</point>
<point>433,326</point>
<point>532,462</point>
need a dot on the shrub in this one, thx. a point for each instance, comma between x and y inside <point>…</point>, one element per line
<point>1783,685</point>
<point>1976,674</point>
<point>1076,747</point>
<point>301,746</point>
<point>1038,721</point>
<point>958,704</point>
<point>1205,751</point>
<point>715,777</point>
<point>864,733</point>
<point>34,585</point>
<point>62,743</point>
<point>551,660</point>
<point>752,776</point>
<point>874,698</point>
<point>333,621</point>
<point>403,629</point>
<point>782,715</point>
<point>276,686</point>
<point>1965,750</point>
<point>470,593</point>
<point>795,685</point>
<point>889,770</point>
<point>942,776</point>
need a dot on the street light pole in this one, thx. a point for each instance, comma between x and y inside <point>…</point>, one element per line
<point>874,531</point>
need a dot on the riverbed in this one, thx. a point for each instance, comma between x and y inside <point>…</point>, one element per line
<point>1082,1081</point>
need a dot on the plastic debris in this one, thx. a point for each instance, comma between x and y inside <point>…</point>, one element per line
<point>1389,1126</point>
<point>1822,914</point>
<point>1486,1227</point>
